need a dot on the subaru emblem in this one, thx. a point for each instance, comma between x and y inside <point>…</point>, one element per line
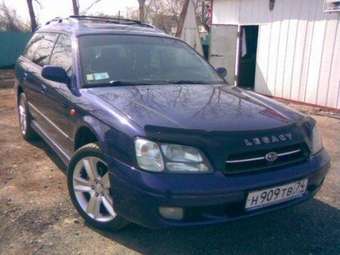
<point>271,156</point>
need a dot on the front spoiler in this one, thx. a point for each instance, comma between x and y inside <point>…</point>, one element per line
<point>140,205</point>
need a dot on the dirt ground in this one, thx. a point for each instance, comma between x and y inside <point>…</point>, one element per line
<point>36,215</point>
<point>6,78</point>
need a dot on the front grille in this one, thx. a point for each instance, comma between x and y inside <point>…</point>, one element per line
<point>255,160</point>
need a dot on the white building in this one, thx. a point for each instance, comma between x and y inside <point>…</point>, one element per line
<point>283,48</point>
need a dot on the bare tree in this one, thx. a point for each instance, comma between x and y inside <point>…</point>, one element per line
<point>132,13</point>
<point>164,14</point>
<point>169,15</point>
<point>31,12</point>
<point>75,5</point>
<point>10,21</point>
<point>182,18</point>
<point>203,12</point>
<point>91,5</point>
<point>141,10</point>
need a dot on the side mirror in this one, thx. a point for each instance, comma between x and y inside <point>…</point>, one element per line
<point>55,73</point>
<point>222,72</point>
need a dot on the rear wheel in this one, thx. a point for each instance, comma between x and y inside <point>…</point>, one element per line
<point>25,119</point>
<point>90,188</point>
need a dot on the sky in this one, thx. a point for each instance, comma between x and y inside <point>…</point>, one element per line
<point>62,8</point>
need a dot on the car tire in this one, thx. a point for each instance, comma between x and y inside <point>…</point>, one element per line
<point>89,186</point>
<point>25,119</point>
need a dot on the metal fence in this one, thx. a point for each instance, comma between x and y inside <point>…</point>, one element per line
<point>11,46</point>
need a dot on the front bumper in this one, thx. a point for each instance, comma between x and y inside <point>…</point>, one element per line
<point>206,198</point>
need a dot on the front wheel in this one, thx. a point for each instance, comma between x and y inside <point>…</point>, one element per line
<point>90,188</point>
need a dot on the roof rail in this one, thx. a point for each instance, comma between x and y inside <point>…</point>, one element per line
<point>56,19</point>
<point>114,20</point>
<point>100,19</point>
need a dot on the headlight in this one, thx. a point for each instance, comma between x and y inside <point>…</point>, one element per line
<point>177,158</point>
<point>316,141</point>
<point>180,153</point>
<point>180,158</point>
<point>149,155</point>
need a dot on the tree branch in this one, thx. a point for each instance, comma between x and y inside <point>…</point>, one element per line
<point>91,5</point>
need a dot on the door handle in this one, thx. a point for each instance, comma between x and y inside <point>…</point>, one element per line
<point>65,105</point>
<point>43,88</point>
<point>216,55</point>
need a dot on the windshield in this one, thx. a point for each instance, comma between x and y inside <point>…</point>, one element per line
<point>128,60</point>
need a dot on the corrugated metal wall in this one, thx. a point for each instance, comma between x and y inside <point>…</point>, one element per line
<point>298,54</point>
<point>11,46</point>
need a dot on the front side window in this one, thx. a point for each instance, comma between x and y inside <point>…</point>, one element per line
<point>62,54</point>
<point>112,59</point>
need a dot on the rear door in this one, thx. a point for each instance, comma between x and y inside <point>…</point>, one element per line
<point>35,57</point>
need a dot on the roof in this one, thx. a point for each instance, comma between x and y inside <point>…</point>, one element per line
<point>81,25</point>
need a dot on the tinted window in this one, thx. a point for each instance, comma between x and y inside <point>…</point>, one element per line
<point>62,53</point>
<point>43,53</point>
<point>40,48</point>
<point>141,59</point>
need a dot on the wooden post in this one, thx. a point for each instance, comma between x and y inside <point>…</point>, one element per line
<point>32,15</point>
<point>141,10</point>
<point>182,18</point>
<point>75,7</point>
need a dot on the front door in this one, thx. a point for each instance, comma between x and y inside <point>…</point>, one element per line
<point>58,97</point>
<point>36,56</point>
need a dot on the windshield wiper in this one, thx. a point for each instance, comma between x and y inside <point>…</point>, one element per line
<point>127,83</point>
<point>190,82</point>
<point>117,83</point>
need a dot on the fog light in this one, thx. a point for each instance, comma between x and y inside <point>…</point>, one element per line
<point>172,213</point>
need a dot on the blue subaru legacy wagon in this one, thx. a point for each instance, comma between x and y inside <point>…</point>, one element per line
<point>152,134</point>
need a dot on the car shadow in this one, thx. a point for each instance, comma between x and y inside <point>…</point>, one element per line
<point>311,228</point>
<point>43,146</point>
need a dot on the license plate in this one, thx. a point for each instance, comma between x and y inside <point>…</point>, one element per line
<point>262,198</point>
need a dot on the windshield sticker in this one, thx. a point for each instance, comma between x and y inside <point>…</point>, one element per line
<point>89,77</point>
<point>97,76</point>
<point>101,76</point>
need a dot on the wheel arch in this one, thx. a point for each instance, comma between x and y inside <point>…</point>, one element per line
<point>84,135</point>
<point>116,144</point>
<point>19,90</point>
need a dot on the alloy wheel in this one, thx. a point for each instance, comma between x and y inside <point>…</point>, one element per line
<point>92,188</point>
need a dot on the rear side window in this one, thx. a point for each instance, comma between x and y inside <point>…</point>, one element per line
<point>62,54</point>
<point>40,48</point>
<point>43,53</point>
<point>32,46</point>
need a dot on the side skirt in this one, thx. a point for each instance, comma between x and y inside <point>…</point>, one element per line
<point>55,147</point>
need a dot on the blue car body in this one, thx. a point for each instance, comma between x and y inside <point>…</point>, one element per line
<point>223,122</point>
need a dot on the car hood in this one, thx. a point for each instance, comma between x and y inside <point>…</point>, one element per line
<point>196,107</point>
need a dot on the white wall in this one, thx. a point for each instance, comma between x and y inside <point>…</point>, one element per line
<point>224,48</point>
<point>298,47</point>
